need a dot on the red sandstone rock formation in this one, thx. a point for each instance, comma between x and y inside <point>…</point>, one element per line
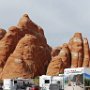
<point>55,51</point>
<point>65,56</point>
<point>29,59</point>
<point>8,44</point>
<point>2,33</point>
<point>76,48</point>
<point>86,59</point>
<point>55,67</point>
<point>74,54</point>
<point>26,52</point>
<point>59,62</point>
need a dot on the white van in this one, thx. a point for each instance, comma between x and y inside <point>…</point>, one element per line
<point>50,82</point>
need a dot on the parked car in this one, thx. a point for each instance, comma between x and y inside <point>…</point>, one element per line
<point>34,87</point>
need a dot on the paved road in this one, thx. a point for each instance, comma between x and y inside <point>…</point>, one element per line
<point>73,88</point>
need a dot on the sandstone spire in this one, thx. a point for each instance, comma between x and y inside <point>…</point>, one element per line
<point>76,48</point>
<point>86,53</point>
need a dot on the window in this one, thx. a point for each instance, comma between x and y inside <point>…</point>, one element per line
<point>47,81</point>
<point>15,82</point>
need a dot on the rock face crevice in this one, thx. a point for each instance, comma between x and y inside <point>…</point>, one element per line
<point>2,33</point>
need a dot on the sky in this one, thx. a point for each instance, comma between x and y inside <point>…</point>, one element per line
<point>60,19</point>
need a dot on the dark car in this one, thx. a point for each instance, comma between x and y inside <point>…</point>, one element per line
<point>55,87</point>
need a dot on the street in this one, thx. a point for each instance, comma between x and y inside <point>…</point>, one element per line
<point>73,88</point>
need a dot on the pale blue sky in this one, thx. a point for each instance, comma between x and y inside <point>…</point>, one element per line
<point>60,19</point>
